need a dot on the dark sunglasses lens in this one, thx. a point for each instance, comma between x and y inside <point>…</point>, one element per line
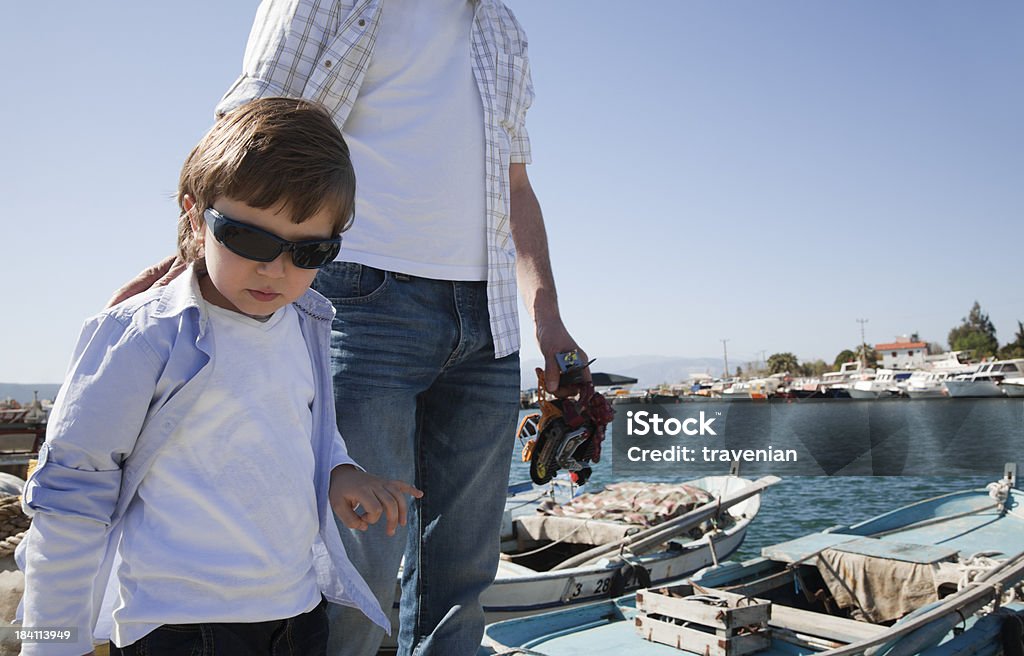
<point>314,256</point>
<point>249,243</point>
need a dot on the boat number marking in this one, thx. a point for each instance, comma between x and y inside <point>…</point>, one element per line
<point>602,586</point>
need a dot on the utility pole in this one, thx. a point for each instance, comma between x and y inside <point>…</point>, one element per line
<point>863,345</point>
<point>725,354</point>
<point>764,363</point>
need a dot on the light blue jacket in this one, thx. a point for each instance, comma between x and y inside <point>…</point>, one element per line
<point>136,372</point>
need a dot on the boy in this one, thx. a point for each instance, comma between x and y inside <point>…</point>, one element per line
<point>193,446</point>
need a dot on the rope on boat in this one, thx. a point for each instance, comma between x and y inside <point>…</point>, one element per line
<point>13,524</point>
<point>978,566</point>
<point>1000,491</point>
<point>549,544</point>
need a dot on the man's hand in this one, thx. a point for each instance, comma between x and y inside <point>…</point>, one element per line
<point>552,337</point>
<point>157,275</point>
<point>351,488</point>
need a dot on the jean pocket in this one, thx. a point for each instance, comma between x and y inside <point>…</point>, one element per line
<point>350,282</point>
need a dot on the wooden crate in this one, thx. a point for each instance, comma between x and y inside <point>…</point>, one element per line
<point>712,623</point>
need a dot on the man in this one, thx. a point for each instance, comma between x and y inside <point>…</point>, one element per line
<point>431,97</point>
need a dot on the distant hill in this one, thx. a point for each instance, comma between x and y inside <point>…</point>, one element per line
<point>649,370</point>
<point>22,392</point>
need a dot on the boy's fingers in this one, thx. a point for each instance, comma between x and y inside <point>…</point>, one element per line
<point>392,509</point>
<point>404,488</point>
<point>349,517</point>
<point>372,509</point>
<point>398,490</point>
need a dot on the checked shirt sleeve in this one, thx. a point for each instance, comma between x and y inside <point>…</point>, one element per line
<point>285,47</point>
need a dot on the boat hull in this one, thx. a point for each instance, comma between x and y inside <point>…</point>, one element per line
<point>1015,390</point>
<point>973,388</point>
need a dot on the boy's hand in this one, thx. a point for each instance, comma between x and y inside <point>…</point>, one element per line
<point>351,488</point>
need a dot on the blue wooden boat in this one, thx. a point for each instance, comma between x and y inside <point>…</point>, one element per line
<point>937,577</point>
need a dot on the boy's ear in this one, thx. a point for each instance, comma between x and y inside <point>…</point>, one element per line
<point>193,217</point>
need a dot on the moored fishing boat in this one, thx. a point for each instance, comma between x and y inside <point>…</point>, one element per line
<point>562,549</point>
<point>935,577</point>
<point>624,537</point>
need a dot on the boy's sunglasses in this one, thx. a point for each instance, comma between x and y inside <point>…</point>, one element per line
<point>256,244</point>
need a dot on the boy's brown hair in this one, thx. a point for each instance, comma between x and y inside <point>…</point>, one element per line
<point>269,152</point>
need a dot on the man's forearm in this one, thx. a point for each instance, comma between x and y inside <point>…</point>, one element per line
<point>533,262</point>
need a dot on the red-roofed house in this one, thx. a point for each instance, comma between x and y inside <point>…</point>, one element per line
<point>902,354</point>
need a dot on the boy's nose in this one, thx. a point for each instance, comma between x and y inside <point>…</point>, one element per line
<point>275,268</point>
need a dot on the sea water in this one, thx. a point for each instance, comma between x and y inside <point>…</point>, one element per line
<point>799,505</point>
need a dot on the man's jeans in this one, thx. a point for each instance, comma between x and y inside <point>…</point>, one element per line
<point>421,398</point>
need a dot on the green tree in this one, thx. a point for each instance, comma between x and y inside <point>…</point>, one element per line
<point>846,355</point>
<point>815,368</point>
<point>1014,349</point>
<point>976,333</point>
<point>868,354</point>
<point>781,362</point>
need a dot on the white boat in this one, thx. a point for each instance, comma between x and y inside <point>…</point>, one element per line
<point>984,382</point>
<point>544,567</point>
<point>1013,386</point>
<point>563,559</point>
<point>926,383</point>
<point>756,389</point>
<point>883,384</point>
<point>838,383</point>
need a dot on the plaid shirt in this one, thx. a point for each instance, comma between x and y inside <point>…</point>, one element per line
<point>320,51</point>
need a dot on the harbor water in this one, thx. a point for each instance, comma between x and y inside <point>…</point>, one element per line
<point>802,504</point>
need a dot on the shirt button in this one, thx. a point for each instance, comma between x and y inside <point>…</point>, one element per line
<point>362,23</point>
<point>328,63</point>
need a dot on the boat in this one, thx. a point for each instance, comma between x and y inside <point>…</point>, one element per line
<point>757,389</point>
<point>601,544</point>
<point>837,384</point>
<point>1013,387</point>
<point>882,385</point>
<point>562,546</point>
<point>934,577</point>
<point>924,384</point>
<point>22,431</point>
<point>984,382</point>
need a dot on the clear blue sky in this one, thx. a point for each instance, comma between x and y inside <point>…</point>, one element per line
<point>765,172</point>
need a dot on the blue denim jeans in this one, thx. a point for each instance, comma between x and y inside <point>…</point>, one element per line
<point>302,635</point>
<point>420,397</point>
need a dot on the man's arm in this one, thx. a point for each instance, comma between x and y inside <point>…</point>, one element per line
<point>533,272</point>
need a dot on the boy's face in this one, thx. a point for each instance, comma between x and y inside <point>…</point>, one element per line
<point>254,288</point>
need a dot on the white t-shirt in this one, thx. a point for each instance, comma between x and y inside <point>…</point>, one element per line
<point>229,503</point>
<point>420,204</point>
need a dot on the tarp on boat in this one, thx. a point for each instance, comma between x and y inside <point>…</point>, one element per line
<point>880,580</point>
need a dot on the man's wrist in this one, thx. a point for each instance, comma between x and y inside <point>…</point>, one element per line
<point>545,307</point>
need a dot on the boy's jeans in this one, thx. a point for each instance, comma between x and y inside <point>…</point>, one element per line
<point>302,635</point>
<point>421,398</point>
